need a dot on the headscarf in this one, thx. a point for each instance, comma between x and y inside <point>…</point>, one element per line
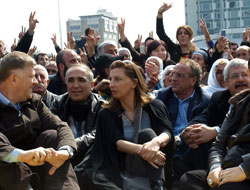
<point>213,85</point>
<point>164,72</point>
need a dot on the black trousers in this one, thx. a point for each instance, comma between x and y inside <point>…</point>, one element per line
<point>197,180</point>
<point>18,175</point>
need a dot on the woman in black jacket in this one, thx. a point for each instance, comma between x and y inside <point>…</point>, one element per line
<point>134,137</point>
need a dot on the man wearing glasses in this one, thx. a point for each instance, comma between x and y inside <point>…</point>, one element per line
<point>184,100</point>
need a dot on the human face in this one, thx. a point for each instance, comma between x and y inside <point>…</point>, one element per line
<point>167,78</point>
<point>238,79</point>
<point>52,69</point>
<point>2,48</point>
<point>43,60</point>
<point>42,79</point>
<point>110,49</point>
<point>219,74</point>
<point>183,37</point>
<point>126,55</point>
<point>160,52</point>
<point>242,54</point>
<point>233,50</point>
<point>121,86</point>
<point>78,84</point>
<point>25,81</point>
<point>71,57</point>
<point>182,83</point>
<point>200,60</point>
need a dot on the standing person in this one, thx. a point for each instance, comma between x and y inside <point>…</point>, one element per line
<point>25,124</point>
<point>64,59</point>
<point>184,35</point>
<point>134,138</point>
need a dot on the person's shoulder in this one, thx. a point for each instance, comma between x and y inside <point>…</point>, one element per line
<point>221,95</point>
<point>163,92</point>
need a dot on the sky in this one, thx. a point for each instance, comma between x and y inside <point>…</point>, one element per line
<point>140,17</point>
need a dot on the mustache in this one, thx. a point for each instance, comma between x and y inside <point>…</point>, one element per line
<point>241,85</point>
<point>40,85</point>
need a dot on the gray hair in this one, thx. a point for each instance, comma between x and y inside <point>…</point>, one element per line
<point>104,44</point>
<point>15,61</point>
<point>234,63</point>
<point>38,66</point>
<point>81,66</point>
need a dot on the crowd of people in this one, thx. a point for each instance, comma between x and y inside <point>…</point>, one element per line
<point>113,115</point>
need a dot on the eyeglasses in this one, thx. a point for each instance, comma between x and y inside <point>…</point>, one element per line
<point>237,76</point>
<point>178,75</point>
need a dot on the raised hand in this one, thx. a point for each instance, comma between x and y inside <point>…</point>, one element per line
<point>164,8</point>
<point>53,38</point>
<point>83,55</point>
<point>121,26</point>
<point>32,51</point>
<point>21,34</point>
<point>71,41</point>
<point>32,23</point>
<point>13,46</point>
<point>137,42</point>
<point>203,24</point>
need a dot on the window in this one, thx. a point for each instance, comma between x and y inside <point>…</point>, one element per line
<point>217,5</point>
<point>77,27</point>
<point>246,13</point>
<point>217,15</point>
<point>234,23</point>
<point>105,35</point>
<point>233,14</point>
<point>247,22</point>
<point>106,27</point>
<point>218,25</point>
<point>207,16</point>
<point>233,4</point>
<point>246,3</point>
<point>205,6</point>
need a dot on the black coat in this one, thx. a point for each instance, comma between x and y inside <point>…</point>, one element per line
<point>215,113</point>
<point>233,141</point>
<point>107,160</point>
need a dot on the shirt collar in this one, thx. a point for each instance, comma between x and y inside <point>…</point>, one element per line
<point>7,102</point>
<point>191,96</point>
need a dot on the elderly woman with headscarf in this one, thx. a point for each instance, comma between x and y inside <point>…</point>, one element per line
<point>126,53</point>
<point>153,69</point>
<point>216,77</point>
<point>165,76</point>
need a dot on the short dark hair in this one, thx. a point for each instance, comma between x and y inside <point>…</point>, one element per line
<point>14,61</point>
<point>37,56</point>
<point>154,45</point>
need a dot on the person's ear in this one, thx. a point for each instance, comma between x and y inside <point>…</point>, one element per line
<point>48,81</point>
<point>107,71</point>
<point>135,83</point>
<point>61,66</point>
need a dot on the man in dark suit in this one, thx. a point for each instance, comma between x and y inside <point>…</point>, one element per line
<point>26,124</point>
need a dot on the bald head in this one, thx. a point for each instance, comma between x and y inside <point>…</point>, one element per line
<point>243,52</point>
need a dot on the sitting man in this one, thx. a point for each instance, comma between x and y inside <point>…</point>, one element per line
<point>184,100</point>
<point>229,154</point>
<point>205,127</point>
<point>25,124</point>
<point>42,78</point>
<point>79,107</point>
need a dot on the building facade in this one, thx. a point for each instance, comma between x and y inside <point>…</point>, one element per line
<point>233,16</point>
<point>103,22</point>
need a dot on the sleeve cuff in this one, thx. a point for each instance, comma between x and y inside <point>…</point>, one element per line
<point>12,156</point>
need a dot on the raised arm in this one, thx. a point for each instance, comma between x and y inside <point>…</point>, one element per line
<point>204,29</point>
<point>25,42</point>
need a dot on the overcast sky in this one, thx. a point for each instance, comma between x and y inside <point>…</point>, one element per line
<point>140,16</point>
